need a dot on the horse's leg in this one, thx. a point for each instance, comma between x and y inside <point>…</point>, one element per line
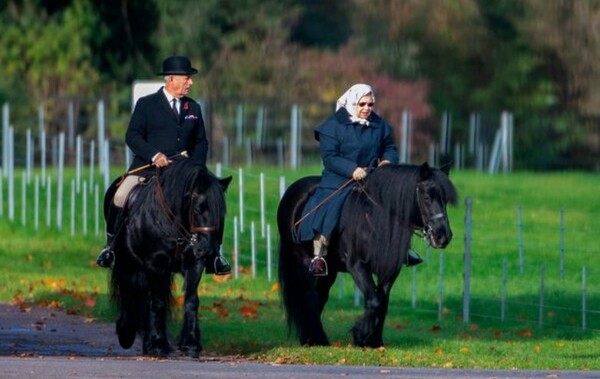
<point>383,291</point>
<point>368,330</point>
<point>156,342</point>
<point>189,340</point>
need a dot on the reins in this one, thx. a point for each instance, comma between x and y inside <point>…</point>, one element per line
<point>193,229</point>
<point>325,200</point>
<point>141,168</point>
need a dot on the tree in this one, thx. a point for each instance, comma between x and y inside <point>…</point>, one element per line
<point>567,35</point>
<point>47,59</point>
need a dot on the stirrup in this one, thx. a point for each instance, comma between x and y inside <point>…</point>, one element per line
<point>219,266</point>
<point>106,258</point>
<point>318,267</point>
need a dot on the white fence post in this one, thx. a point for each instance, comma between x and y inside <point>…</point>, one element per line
<point>467,262</point>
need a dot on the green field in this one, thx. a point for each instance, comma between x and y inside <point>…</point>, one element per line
<point>425,327</point>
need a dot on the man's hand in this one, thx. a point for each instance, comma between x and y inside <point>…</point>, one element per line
<point>382,162</point>
<point>161,160</point>
<point>359,174</point>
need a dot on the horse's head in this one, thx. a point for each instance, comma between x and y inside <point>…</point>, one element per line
<point>207,215</point>
<point>434,192</point>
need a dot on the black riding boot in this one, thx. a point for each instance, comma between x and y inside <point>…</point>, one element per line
<point>113,226</point>
<point>413,260</point>
<point>218,265</point>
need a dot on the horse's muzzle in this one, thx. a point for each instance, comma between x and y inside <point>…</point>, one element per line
<point>438,232</point>
<point>441,240</point>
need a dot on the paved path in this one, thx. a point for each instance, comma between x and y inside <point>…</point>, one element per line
<point>47,343</point>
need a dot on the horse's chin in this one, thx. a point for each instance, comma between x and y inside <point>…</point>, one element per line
<point>440,243</point>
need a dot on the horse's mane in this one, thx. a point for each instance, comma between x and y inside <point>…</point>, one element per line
<point>177,183</point>
<point>389,200</point>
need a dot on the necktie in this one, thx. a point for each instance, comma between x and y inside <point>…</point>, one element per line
<point>175,107</point>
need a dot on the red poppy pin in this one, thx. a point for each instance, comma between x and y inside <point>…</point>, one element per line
<point>186,106</point>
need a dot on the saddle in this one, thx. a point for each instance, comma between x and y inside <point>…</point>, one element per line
<point>129,202</point>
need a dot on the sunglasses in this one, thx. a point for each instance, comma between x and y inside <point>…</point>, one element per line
<point>363,104</point>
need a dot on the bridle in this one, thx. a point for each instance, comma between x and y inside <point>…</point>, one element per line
<point>191,235</point>
<point>427,228</point>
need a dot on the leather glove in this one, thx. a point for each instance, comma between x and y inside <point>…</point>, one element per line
<point>359,174</point>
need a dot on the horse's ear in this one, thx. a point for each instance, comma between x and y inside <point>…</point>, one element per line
<point>225,182</point>
<point>425,171</point>
<point>446,168</point>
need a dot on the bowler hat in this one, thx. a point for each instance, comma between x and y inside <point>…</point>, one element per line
<point>177,65</point>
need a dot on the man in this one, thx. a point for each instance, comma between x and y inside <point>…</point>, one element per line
<point>163,125</point>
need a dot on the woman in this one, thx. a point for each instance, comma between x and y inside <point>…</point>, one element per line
<point>352,141</point>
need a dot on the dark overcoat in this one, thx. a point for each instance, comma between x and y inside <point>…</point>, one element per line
<point>344,146</point>
<point>155,128</point>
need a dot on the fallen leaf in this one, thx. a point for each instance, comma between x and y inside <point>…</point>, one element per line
<point>399,326</point>
<point>221,278</point>
<point>25,308</point>
<point>178,300</point>
<point>275,287</point>
<point>248,311</point>
<point>525,333</point>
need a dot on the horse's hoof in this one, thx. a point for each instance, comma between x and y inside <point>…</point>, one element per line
<point>126,336</point>
<point>158,351</point>
<point>323,341</point>
<point>190,351</point>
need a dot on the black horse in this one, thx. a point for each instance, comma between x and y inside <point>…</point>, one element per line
<point>373,239</point>
<point>174,221</point>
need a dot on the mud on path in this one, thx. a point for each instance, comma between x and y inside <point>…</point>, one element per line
<point>51,332</point>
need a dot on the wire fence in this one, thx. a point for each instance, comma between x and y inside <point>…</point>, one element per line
<point>544,282</point>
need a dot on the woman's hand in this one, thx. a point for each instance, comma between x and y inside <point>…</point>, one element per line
<point>359,174</point>
<point>382,162</point>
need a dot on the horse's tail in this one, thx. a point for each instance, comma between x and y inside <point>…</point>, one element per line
<point>297,287</point>
<point>129,293</point>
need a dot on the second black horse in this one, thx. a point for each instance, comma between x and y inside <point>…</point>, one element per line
<point>373,239</point>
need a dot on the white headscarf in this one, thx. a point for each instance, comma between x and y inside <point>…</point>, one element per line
<point>350,98</point>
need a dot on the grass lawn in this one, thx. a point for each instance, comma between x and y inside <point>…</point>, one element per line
<point>243,316</point>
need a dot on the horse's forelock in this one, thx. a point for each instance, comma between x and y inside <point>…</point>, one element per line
<point>443,180</point>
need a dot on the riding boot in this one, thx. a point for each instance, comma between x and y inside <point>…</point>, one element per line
<point>113,226</point>
<point>412,260</point>
<point>318,265</point>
